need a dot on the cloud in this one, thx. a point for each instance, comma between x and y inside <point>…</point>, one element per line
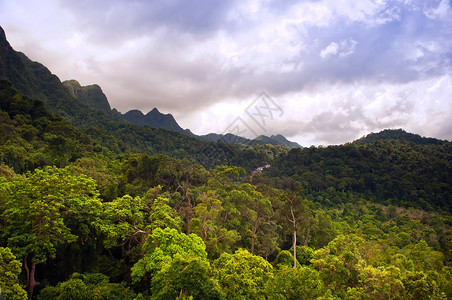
<point>330,50</point>
<point>356,65</point>
<point>353,111</point>
<point>437,9</point>
<point>113,21</point>
<point>343,49</point>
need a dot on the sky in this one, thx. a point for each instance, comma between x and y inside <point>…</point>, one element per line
<point>320,72</point>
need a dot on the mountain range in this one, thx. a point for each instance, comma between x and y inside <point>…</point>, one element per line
<point>88,105</point>
<point>155,119</point>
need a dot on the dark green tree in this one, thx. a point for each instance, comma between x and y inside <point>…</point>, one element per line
<point>39,208</point>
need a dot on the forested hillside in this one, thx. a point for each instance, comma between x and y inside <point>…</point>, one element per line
<point>110,210</point>
<point>409,172</point>
<point>85,215</point>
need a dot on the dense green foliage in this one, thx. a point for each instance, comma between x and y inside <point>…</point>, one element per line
<point>119,211</point>
<point>388,171</point>
<point>9,272</point>
<point>33,137</point>
<point>363,250</point>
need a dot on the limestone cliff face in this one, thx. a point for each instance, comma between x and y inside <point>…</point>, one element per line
<point>91,94</point>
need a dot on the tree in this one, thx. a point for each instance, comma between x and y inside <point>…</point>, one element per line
<point>128,221</point>
<point>419,285</point>
<point>284,258</point>
<point>9,273</point>
<point>87,286</point>
<point>224,175</point>
<point>180,176</point>
<point>103,171</point>
<point>186,277</point>
<point>382,282</point>
<point>252,211</point>
<point>39,208</point>
<point>207,223</point>
<point>243,275</point>
<point>176,265</point>
<point>424,257</point>
<point>123,221</point>
<point>207,212</point>
<point>296,215</point>
<point>340,262</point>
<point>296,283</point>
<point>192,174</point>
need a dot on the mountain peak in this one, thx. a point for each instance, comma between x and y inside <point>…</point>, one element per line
<point>260,140</point>
<point>155,119</point>
<point>135,112</point>
<point>73,82</point>
<point>276,140</point>
<point>155,113</point>
<point>2,34</point>
<point>3,41</point>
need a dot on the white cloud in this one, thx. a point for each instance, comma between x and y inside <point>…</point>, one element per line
<point>441,10</point>
<point>343,49</point>
<point>330,50</point>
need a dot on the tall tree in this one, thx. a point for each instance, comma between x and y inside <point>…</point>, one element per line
<point>176,265</point>
<point>243,275</point>
<point>296,215</point>
<point>208,225</point>
<point>39,207</point>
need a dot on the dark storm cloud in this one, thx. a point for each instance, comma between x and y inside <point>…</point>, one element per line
<point>382,50</point>
<point>113,20</point>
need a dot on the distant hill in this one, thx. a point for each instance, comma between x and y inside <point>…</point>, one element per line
<point>32,137</point>
<point>276,140</point>
<point>155,119</point>
<point>228,138</point>
<point>91,95</point>
<point>399,135</point>
<point>260,140</point>
<point>389,167</point>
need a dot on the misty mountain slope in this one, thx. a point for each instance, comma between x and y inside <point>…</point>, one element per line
<point>34,80</point>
